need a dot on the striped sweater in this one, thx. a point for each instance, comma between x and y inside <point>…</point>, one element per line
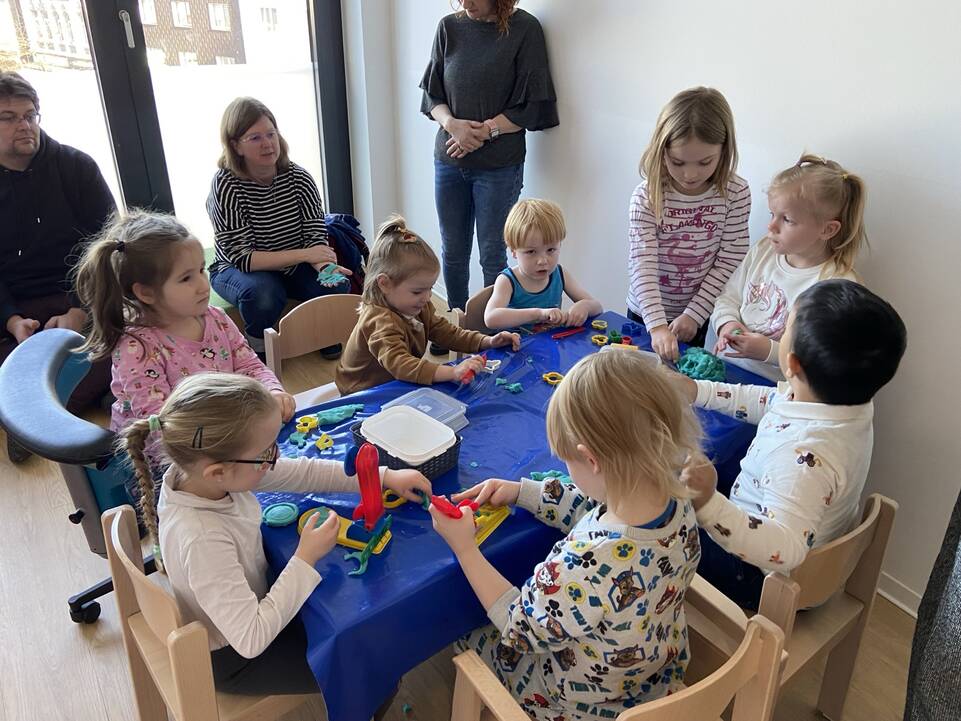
<point>681,264</point>
<point>248,216</point>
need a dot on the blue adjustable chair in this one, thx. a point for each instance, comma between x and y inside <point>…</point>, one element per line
<point>36,381</point>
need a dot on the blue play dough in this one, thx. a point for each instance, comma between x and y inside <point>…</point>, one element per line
<point>280,514</point>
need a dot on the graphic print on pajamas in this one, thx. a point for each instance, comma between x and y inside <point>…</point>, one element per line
<point>600,626</point>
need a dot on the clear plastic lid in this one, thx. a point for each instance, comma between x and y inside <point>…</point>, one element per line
<point>439,406</point>
<point>408,434</point>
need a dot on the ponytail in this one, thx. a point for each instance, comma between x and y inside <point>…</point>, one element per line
<point>135,248</point>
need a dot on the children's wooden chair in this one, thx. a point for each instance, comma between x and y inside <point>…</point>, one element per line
<point>836,585</point>
<point>472,317</point>
<point>312,325</point>
<point>749,676</point>
<point>169,661</point>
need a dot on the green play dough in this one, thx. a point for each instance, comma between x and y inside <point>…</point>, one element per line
<point>509,387</point>
<point>338,413</point>
<point>700,365</point>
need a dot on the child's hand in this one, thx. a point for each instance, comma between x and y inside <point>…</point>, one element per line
<point>732,327</point>
<point>502,338</point>
<point>286,403</point>
<point>748,345</point>
<point>495,491</point>
<point>458,532</point>
<point>578,313</point>
<point>664,343</point>
<point>404,482</point>
<point>474,363</point>
<point>317,541</point>
<point>684,327</point>
<point>553,316</point>
<point>700,475</point>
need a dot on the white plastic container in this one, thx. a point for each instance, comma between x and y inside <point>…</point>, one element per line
<point>439,406</point>
<point>408,434</point>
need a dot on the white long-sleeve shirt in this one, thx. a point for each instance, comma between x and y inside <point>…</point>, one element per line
<point>760,295</point>
<point>800,483</point>
<point>681,264</point>
<point>214,556</point>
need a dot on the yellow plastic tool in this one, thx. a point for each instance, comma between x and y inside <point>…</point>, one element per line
<point>392,500</point>
<point>488,518</point>
<point>310,421</point>
<point>599,339</point>
<point>324,442</point>
<point>342,539</point>
<point>553,378</point>
<point>599,325</point>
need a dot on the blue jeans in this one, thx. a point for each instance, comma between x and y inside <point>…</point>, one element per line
<point>466,195</point>
<point>261,296</point>
<point>736,579</point>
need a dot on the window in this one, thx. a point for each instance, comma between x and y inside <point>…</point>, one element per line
<point>181,13</point>
<point>224,60</point>
<point>268,17</point>
<point>187,57</point>
<point>156,56</point>
<point>219,16</point>
<point>148,12</point>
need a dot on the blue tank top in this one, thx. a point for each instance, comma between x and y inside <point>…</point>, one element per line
<point>550,297</point>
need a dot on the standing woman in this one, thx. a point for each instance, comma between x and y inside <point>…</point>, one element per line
<point>486,84</point>
<point>269,230</point>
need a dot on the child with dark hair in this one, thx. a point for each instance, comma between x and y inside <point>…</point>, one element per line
<point>801,480</point>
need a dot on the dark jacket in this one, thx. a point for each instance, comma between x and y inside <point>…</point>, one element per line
<point>45,211</point>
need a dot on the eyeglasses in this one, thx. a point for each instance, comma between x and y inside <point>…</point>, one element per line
<point>258,137</point>
<point>267,460</point>
<point>32,118</point>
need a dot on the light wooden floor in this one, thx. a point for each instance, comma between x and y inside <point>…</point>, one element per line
<point>51,668</point>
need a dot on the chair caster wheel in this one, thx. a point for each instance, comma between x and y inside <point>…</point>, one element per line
<point>87,613</point>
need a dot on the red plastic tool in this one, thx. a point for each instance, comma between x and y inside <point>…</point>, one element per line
<point>371,506</point>
<point>468,377</point>
<point>450,510</point>
<point>568,332</point>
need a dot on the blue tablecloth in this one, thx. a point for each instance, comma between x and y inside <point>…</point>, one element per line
<point>365,632</point>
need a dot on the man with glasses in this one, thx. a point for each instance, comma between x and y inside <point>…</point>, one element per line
<point>52,196</point>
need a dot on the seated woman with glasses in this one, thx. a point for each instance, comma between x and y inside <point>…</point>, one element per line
<point>269,230</point>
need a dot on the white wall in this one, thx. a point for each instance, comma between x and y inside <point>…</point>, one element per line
<point>872,85</point>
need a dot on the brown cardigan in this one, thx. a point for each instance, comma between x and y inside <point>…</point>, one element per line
<point>384,346</point>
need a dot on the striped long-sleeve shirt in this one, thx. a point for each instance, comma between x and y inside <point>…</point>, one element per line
<point>248,216</point>
<point>681,264</point>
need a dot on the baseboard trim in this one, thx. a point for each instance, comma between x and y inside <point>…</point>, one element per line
<point>907,599</point>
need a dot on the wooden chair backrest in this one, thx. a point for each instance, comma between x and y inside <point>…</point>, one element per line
<point>135,592</point>
<point>314,324</point>
<point>474,310</point>
<point>828,568</point>
<point>750,677</point>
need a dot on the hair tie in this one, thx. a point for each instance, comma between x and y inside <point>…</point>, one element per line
<point>409,237</point>
<point>844,176</point>
<point>120,246</point>
<point>154,423</point>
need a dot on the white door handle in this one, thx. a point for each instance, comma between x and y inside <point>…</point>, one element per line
<point>128,28</point>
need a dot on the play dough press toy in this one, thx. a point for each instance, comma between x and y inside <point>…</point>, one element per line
<point>342,539</point>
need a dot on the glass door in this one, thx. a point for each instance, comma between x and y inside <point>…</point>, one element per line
<point>204,54</point>
<point>47,43</point>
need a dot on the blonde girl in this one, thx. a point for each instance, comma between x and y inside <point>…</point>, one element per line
<point>145,285</point>
<point>631,549</point>
<point>815,233</point>
<point>209,525</point>
<point>688,220</point>
<point>397,319</point>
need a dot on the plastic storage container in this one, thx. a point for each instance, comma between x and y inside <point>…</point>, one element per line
<point>407,438</point>
<point>439,406</point>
